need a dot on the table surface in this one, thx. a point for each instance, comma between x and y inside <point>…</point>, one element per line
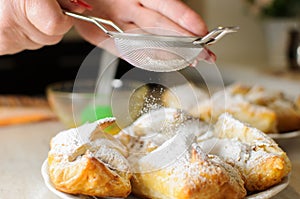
<point>24,148</point>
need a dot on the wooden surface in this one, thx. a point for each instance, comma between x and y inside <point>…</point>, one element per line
<point>24,148</point>
<point>17,109</point>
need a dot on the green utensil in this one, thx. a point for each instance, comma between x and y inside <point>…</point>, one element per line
<point>93,113</point>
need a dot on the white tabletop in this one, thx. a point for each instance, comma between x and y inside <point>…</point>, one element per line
<point>24,148</point>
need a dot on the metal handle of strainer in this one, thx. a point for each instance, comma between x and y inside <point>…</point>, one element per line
<point>95,20</point>
<point>214,35</point>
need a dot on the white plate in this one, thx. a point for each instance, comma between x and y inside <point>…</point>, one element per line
<point>287,135</point>
<point>261,195</point>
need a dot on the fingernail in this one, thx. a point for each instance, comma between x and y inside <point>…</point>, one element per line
<point>82,3</point>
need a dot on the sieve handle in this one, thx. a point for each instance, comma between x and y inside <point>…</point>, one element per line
<point>215,35</point>
<point>95,20</point>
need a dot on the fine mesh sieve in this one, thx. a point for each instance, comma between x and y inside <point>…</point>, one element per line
<point>157,53</point>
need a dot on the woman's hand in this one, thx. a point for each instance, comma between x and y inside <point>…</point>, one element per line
<point>171,15</point>
<point>31,24</point>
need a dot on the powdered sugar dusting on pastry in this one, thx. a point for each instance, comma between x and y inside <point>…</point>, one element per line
<point>198,170</point>
<point>261,162</point>
<point>228,125</point>
<point>235,152</point>
<point>110,158</point>
<point>162,121</point>
<point>160,137</point>
<point>91,142</point>
<point>67,141</point>
<point>174,157</point>
<point>168,153</point>
<point>179,152</point>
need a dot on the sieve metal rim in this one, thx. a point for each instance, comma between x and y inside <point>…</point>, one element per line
<point>170,41</point>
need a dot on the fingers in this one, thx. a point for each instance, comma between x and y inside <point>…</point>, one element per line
<point>95,36</point>
<point>205,55</point>
<point>156,23</point>
<point>48,21</point>
<point>13,42</point>
<point>179,13</point>
<point>47,17</point>
<point>46,24</point>
<point>31,24</point>
<point>164,16</point>
<point>212,56</point>
<point>71,5</point>
<point>42,39</point>
<point>89,32</point>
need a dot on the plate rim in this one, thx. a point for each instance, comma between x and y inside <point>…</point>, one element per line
<point>50,186</point>
<point>287,135</point>
<point>261,195</point>
<point>272,191</point>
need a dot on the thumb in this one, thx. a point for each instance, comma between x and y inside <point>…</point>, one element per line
<point>47,16</point>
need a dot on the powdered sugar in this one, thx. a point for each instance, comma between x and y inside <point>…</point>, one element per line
<point>235,152</point>
<point>159,137</point>
<point>195,170</point>
<point>87,140</point>
<point>229,127</point>
<point>167,153</point>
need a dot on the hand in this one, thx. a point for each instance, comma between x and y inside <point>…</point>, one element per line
<point>31,24</point>
<point>132,14</point>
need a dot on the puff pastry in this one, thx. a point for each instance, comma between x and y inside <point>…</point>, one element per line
<point>166,153</point>
<point>167,163</point>
<point>258,158</point>
<point>87,161</point>
<point>255,155</point>
<point>288,119</point>
<point>180,169</point>
<point>265,109</point>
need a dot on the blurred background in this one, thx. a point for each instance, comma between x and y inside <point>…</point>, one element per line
<point>250,46</point>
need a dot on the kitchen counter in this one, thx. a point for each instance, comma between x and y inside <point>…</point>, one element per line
<point>23,150</point>
<point>25,147</point>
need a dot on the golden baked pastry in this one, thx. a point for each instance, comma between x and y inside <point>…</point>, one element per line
<point>258,158</point>
<point>180,169</point>
<point>167,163</point>
<point>257,116</point>
<point>288,119</point>
<point>265,109</point>
<point>87,161</point>
<point>297,103</point>
<point>166,153</point>
<point>195,176</point>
